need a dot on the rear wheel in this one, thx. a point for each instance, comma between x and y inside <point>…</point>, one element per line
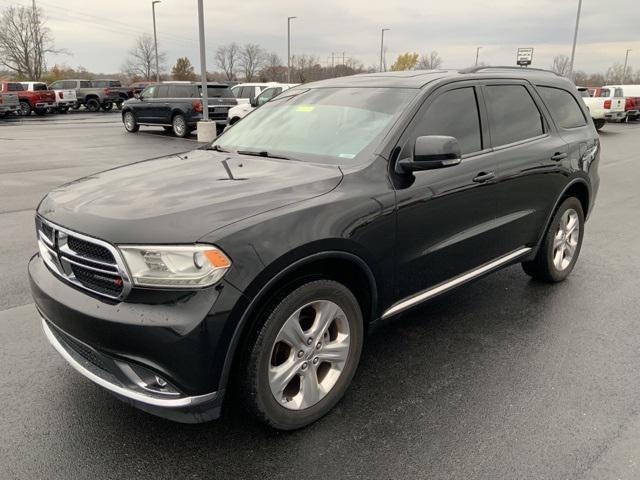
<point>93,105</point>
<point>107,106</point>
<point>25,108</point>
<point>301,361</point>
<point>179,126</point>
<point>561,245</point>
<point>599,123</point>
<point>130,122</point>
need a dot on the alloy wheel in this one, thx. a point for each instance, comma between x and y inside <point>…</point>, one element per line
<point>565,241</point>
<point>309,354</point>
<point>129,121</point>
<point>179,125</point>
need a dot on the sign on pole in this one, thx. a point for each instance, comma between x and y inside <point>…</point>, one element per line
<point>525,56</point>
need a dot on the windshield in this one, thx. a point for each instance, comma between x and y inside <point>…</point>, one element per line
<point>328,125</point>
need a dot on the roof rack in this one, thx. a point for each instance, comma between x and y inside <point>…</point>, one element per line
<point>518,69</point>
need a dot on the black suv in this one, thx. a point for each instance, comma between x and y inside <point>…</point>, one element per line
<point>258,262</point>
<point>177,107</point>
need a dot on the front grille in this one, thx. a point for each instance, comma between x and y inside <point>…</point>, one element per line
<point>83,261</point>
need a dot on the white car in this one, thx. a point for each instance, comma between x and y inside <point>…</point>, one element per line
<point>247,92</point>
<point>602,109</point>
<point>275,89</point>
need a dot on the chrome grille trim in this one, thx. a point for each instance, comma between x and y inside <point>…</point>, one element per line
<point>61,258</point>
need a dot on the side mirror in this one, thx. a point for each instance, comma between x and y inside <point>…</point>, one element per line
<point>430,152</point>
<point>138,96</point>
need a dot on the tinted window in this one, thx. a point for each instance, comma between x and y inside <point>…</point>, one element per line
<point>162,91</point>
<point>69,84</point>
<point>149,92</point>
<point>513,114</point>
<point>604,92</point>
<point>563,106</point>
<point>180,91</point>
<point>217,91</point>
<point>100,83</point>
<point>39,86</point>
<point>56,85</point>
<point>15,87</point>
<point>454,114</point>
<point>618,93</point>
<point>85,84</point>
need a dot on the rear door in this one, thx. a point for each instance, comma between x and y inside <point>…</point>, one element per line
<point>446,216</point>
<point>525,149</point>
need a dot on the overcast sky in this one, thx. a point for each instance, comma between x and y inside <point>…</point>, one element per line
<point>98,34</point>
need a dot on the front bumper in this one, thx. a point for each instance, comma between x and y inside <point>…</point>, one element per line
<point>179,336</point>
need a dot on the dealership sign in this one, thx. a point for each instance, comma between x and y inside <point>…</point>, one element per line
<point>525,56</point>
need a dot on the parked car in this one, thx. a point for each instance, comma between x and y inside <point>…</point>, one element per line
<point>9,103</point>
<point>247,92</point>
<point>93,98</point>
<point>61,103</point>
<point>257,263</point>
<point>37,101</point>
<point>603,109</point>
<point>240,111</point>
<point>115,86</point>
<point>631,94</point>
<point>177,107</point>
<point>138,87</point>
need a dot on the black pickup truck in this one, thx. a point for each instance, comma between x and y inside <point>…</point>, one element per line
<point>115,86</point>
<point>177,107</point>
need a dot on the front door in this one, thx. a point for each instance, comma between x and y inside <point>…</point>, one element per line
<point>446,217</point>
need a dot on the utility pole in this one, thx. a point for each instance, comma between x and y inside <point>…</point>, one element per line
<point>626,61</point>
<point>382,47</point>
<point>575,40</point>
<point>343,59</point>
<point>155,38</point>
<point>289,48</point>
<point>477,55</point>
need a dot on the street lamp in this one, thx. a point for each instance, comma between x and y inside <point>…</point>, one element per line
<point>155,38</point>
<point>477,55</point>
<point>289,48</point>
<point>575,39</point>
<point>626,61</point>
<point>206,130</point>
<point>382,47</point>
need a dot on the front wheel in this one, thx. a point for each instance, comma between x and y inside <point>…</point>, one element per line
<point>599,123</point>
<point>302,359</point>
<point>561,245</point>
<point>119,104</point>
<point>130,122</point>
<point>92,105</point>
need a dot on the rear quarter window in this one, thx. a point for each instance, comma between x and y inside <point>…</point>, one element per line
<point>563,106</point>
<point>513,114</point>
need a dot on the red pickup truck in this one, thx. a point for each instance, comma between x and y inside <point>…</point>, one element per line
<point>30,100</point>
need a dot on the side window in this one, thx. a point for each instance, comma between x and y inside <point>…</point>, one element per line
<point>85,84</point>
<point>149,92</point>
<point>69,84</point>
<point>618,92</point>
<point>604,93</point>
<point>162,91</point>
<point>236,91</point>
<point>266,95</point>
<point>513,114</point>
<point>454,114</point>
<point>56,85</point>
<point>563,107</point>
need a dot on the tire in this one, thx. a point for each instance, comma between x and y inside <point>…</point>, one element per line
<point>130,122</point>
<point>63,109</point>
<point>599,123</point>
<point>179,126</point>
<point>25,108</point>
<point>75,106</point>
<point>283,405</point>
<point>106,107</point>
<point>560,246</point>
<point>92,105</point>
<point>119,104</point>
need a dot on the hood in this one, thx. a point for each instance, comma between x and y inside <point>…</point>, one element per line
<point>180,198</point>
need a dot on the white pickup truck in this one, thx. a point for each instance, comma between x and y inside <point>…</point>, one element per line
<point>603,109</point>
<point>272,91</point>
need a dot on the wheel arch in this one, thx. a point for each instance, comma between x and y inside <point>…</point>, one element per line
<point>328,264</point>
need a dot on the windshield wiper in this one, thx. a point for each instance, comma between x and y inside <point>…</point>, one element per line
<point>217,148</point>
<point>261,153</point>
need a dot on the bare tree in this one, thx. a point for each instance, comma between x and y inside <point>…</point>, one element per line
<point>561,65</point>
<point>251,59</point>
<point>24,42</point>
<point>429,61</point>
<point>615,73</point>
<point>272,69</point>
<point>227,57</point>
<point>142,58</point>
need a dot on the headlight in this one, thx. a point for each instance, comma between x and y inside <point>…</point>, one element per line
<point>175,266</point>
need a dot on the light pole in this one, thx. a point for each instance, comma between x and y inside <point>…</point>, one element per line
<point>477,55</point>
<point>155,38</point>
<point>206,130</point>
<point>289,48</point>
<point>382,47</point>
<point>626,61</point>
<point>575,39</point>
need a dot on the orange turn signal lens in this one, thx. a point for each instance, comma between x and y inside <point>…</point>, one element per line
<point>217,258</point>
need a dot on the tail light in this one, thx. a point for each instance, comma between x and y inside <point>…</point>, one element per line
<point>630,104</point>
<point>61,95</point>
<point>197,106</point>
<point>0,99</point>
<point>107,91</point>
<point>607,104</point>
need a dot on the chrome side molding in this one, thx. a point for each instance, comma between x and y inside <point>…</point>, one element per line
<point>454,282</point>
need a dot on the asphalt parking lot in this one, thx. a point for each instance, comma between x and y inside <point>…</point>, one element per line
<point>506,378</point>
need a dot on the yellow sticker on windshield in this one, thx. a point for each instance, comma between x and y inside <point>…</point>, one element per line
<point>305,108</point>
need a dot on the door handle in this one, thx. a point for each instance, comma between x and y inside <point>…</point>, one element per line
<point>484,176</point>
<point>559,156</point>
